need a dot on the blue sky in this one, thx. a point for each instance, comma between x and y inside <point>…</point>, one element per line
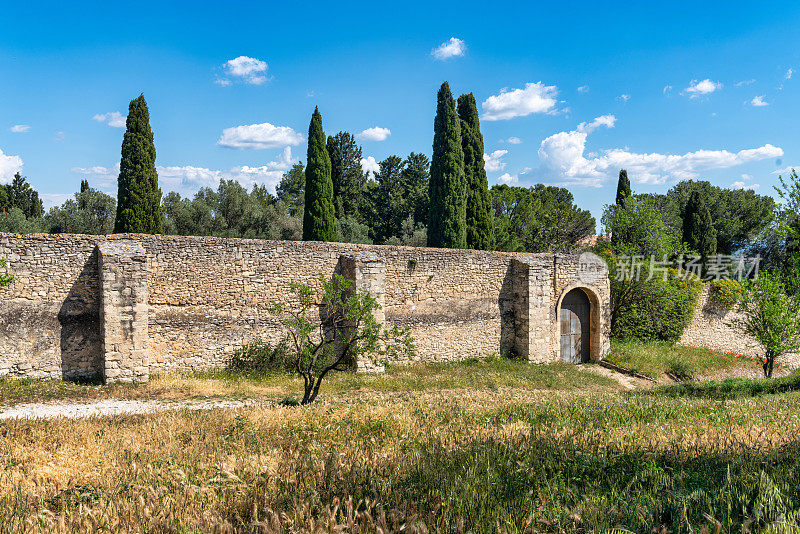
<point>568,93</point>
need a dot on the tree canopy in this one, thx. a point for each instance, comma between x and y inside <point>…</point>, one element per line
<point>319,222</point>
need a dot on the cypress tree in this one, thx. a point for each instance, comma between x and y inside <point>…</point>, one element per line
<point>138,196</point>
<point>319,223</point>
<point>447,212</point>
<point>623,187</point>
<point>479,217</point>
<point>698,227</point>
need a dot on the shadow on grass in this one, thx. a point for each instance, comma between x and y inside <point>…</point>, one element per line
<point>731,388</point>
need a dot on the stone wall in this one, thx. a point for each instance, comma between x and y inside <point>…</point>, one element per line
<point>206,296</point>
<point>712,328</point>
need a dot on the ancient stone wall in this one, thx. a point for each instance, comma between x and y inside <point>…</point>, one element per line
<point>712,328</point>
<point>206,296</point>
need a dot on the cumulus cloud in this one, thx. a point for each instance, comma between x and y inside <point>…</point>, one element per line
<point>9,165</point>
<point>535,98</point>
<point>603,120</point>
<point>187,179</point>
<point>512,140</point>
<point>788,75</point>
<point>742,185</point>
<point>453,48</point>
<point>369,165</point>
<point>114,119</point>
<point>667,89</point>
<point>259,136</point>
<point>507,178</point>
<point>583,89</point>
<point>758,101</point>
<point>702,88</point>
<point>624,97</point>
<point>493,162</point>
<point>20,128</point>
<point>244,69</point>
<point>562,158</point>
<point>374,134</point>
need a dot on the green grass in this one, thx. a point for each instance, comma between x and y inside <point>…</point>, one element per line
<point>656,359</point>
<point>732,387</point>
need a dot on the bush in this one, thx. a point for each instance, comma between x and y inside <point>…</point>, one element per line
<point>261,357</point>
<point>657,309</point>
<point>726,293</point>
<point>5,278</point>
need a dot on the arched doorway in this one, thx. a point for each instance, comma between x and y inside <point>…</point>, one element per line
<point>575,327</point>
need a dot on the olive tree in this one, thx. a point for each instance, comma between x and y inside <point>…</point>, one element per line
<point>771,317</point>
<point>331,327</point>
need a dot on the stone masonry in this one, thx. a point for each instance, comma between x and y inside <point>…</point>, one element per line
<point>123,314</point>
<point>124,306</point>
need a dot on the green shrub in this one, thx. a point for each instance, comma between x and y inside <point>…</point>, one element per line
<point>726,293</point>
<point>657,309</point>
<point>5,279</point>
<point>260,357</point>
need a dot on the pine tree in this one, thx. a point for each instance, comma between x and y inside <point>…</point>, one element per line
<point>138,197</point>
<point>623,187</point>
<point>698,227</point>
<point>447,212</point>
<point>319,223</point>
<point>479,217</point>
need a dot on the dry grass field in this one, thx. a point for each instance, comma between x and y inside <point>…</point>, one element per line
<point>495,446</point>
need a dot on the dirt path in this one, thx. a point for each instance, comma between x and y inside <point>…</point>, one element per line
<point>106,407</point>
<point>627,382</point>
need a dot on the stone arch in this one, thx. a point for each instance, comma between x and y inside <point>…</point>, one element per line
<point>595,320</point>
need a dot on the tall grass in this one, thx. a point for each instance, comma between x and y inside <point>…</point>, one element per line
<point>481,461</point>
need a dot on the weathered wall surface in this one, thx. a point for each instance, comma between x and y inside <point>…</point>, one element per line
<point>206,296</point>
<point>712,328</point>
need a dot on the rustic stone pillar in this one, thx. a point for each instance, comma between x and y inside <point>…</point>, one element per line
<point>123,313</point>
<point>533,295</point>
<point>368,274</point>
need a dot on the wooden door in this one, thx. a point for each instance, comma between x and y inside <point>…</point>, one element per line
<point>575,330</point>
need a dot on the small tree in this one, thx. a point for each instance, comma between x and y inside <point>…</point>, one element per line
<point>5,279</point>
<point>771,317</point>
<point>331,328</point>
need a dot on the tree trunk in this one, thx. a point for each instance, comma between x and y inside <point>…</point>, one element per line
<point>768,363</point>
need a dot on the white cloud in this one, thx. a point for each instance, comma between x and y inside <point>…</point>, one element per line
<point>507,178</point>
<point>114,119</point>
<point>745,82</point>
<point>624,97</point>
<point>245,69</point>
<point>583,89</point>
<point>758,101</point>
<point>187,179</point>
<point>788,75</point>
<point>535,98</point>
<point>562,158</point>
<point>369,164</point>
<point>746,176</point>
<point>374,134</point>
<point>742,185</point>
<point>603,120</point>
<point>667,89</point>
<point>512,140</point>
<point>702,88</point>
<point>20,128</point>
<point>9,165</point>
<point>259,136</point>
<point>493,161</point>
<point>453,48</point>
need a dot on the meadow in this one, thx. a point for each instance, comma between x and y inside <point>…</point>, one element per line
<point>479,446</point>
